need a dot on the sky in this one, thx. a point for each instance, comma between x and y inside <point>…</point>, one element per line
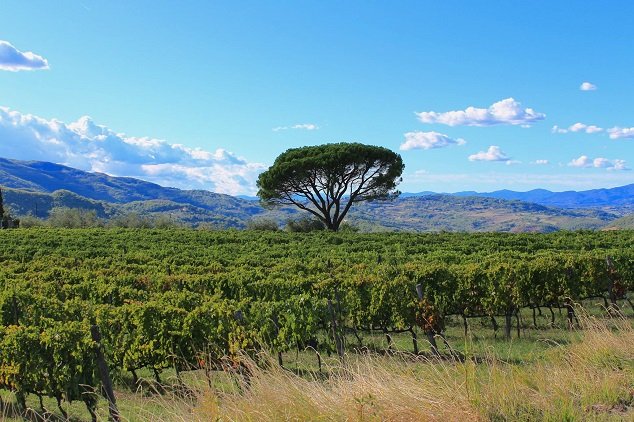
<point>205,94</point>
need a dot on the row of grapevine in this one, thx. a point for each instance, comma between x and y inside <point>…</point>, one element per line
<point>176,298</point>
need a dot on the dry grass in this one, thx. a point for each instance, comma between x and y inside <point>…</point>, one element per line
<point>589,380</point>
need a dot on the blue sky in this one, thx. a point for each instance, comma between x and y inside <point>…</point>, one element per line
<point>206,94</point>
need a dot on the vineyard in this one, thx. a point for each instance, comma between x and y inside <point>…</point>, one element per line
<point>135,300</point>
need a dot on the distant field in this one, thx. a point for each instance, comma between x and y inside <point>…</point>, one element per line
<point>197,308</point>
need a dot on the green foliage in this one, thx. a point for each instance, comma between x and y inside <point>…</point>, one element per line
<point>6,221</point>
<point>30,221</point>
<point>304,225</point>
<point>73,218</point>
<point>176,298</point>
<point>266,224</point>
<point>132,220</point>
<point>325,180</point>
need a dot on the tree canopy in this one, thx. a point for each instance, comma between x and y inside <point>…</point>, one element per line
<point>325,180</point>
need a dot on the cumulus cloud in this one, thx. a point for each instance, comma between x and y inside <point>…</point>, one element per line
<point>300,126</point>
<point>505,112</point>
<point>587,86</point>
<point>621,132</point>
<point>601,163</point>
<point>494,153</point>
<point>88,146</point>
<point>541,162</point>
<point>428,140</point>
<point>14,60</point>
<point>577,127</point>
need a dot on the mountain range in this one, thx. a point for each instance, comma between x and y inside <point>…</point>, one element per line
<point>617,199</point>
<point>35,188</point>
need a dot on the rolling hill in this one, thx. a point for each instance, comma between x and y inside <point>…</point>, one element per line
<point>34,188</point>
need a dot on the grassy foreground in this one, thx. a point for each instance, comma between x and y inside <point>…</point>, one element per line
<point>588,377</point>
<point>592,379</point>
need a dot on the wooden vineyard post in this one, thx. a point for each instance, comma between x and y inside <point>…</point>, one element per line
<point>419,291</point>
<point>335,330</point>
<point>429,331</point>
<point>104,374</point>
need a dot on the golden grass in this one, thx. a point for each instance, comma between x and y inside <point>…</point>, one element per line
<point>589,380</point>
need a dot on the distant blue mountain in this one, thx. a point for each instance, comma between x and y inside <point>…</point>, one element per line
<point>620,197</point>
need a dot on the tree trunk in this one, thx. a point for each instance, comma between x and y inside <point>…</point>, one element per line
<point>414,340</point>
<point>335,331</point>
<point>431,337</point>
<point>496,327</point>
<point>388,337</point>
<point>508,324</point>
<point>517,319</point>
<point>552,316</point>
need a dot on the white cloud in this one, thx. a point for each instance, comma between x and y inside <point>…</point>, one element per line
<point>580,127</point>
<point>618,165</point>
<point>492,154</point>
<point>88,146</point>
<point>541,162</point>
<point>577,127</point>
<point>505,112</point>
<point>582,161</point>
<point>587,86</point>
<point>301,126</point>
<point>601,163</point>
<point>621,132</point>
<point>14,60</point>
<point>428,140</point>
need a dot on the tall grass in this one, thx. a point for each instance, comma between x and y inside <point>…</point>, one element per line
<point>589,380</point>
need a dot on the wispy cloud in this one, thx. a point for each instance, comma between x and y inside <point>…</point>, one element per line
<point>505,112</point>
<point>621,132</point>
<point>300,126</point>
<point>14,60</point>
<point>587,86</point>
<point>601,163</point>
<point>494,153</point>
<point>428,140</point>
<point>541,162</point>
<point>578,127</point>
<point>88,146</point>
